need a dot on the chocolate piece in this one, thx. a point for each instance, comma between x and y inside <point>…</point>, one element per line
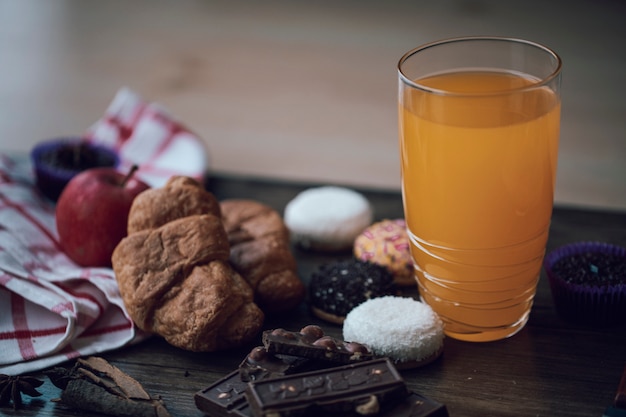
<point>260,365</point>
<point>311,343</point>
<point>363,388</point>
<point>225,398</point>
<point>416,405</point>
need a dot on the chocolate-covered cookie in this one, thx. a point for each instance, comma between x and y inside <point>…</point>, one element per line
<point>337,287</point>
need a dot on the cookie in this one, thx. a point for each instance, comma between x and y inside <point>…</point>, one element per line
<point>337,287</point>
<point>407,331</point>
<point>328,218</point>
<point>386,243</point>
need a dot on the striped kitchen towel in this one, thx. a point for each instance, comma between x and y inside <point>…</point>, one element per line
<point>145,134</point>
<point>52,310</point>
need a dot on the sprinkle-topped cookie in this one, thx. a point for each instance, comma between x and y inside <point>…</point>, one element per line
<point>386,243</point>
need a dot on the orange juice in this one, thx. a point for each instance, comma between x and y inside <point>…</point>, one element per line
<point>478,173</point>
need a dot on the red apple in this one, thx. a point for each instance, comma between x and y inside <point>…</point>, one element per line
<point>92,214</point>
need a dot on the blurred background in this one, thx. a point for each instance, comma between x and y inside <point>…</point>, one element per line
<point>301,90</point>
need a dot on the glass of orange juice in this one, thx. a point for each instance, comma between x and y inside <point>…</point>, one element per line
<point>479,125</point>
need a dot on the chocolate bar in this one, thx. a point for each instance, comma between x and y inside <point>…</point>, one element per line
<point>225,398</point>
<point>362,388</point>
<point>310,342</point>
<point>260,365</point>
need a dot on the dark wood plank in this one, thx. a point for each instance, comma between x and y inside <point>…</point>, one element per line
<point>549,368</point>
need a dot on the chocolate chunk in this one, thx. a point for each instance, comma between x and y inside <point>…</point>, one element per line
<point>225,398</point>
<point>416,405</point>
<point>260,365</point>
<point>363,388</point>
<point>311,343</point>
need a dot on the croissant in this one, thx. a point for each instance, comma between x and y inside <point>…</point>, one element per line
<point>260,252</point>
<point>173,271</point>
<point>180,197</point>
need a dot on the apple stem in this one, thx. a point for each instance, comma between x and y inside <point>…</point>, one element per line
<point>128,176</point>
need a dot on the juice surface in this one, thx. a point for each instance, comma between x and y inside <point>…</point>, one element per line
<point>478,175</point>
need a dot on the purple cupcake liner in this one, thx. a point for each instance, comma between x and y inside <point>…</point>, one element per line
<point>587,303</point>
<point>51,180</point>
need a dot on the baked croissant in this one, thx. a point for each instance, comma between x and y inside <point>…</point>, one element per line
<point>180,197</point>
<point>260,252</point>
<point>173,272</point>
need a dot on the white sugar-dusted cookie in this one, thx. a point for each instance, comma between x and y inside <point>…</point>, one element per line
<point>407,331</point>
<point>327,218</point>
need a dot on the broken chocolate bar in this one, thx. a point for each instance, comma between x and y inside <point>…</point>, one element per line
<point>225,398</point>
<point>363,388</point>
<point>310,342</point>
<point>260,365</point>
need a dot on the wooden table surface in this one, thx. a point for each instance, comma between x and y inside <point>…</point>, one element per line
<point>550,368</point>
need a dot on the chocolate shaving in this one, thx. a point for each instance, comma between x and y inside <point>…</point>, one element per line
<point>95,385</point>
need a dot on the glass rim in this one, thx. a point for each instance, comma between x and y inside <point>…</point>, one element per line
<point>540,83</point>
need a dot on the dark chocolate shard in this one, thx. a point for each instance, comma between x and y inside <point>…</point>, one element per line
<point>224,398</point>
<point>363,388</point>
<point>311,343</point>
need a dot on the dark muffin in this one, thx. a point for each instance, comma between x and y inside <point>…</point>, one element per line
<point>337,287</point>
<point>57,161</point>
<point>588,282</point>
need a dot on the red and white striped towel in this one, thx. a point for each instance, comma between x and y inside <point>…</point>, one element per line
<point>143,133</point>
<point>52,310</point>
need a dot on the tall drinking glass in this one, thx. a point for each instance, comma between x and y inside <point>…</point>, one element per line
<point>479,125</point>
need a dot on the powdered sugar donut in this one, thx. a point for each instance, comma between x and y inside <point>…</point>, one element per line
<point>407,331</point>
<point>327,218</point>
<point>386,243</point>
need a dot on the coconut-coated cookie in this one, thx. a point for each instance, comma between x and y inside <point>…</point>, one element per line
<point>387,243</point>
<point>406,330</point>
<point>327,218</point>
<point>337,287</point>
